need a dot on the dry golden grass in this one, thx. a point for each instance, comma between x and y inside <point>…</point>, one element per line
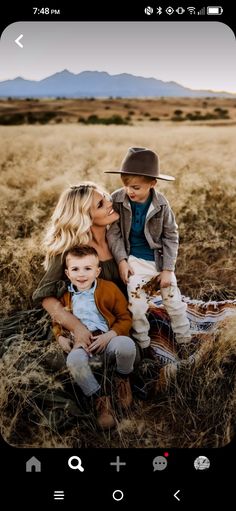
<point>37,163</point>
<point>194,407</point>
<point>198,405</point>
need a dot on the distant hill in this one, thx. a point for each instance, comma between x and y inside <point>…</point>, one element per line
<point>99,84</point>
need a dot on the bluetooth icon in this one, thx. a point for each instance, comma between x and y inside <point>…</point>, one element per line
<point>159,10</point>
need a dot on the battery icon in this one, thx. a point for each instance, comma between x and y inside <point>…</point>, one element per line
<point>214,9</point>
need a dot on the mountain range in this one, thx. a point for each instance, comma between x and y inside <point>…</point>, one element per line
<point>99,84</point>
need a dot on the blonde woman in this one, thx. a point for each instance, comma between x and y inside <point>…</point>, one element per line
<point>81,216</point>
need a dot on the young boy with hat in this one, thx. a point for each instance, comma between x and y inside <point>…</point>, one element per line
<point>144,242</point>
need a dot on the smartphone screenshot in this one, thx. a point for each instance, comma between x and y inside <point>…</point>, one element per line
<point>118,306</point>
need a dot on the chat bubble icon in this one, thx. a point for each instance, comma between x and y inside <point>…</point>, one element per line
<point>159,463</point>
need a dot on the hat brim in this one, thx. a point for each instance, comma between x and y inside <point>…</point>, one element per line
<point>164,177</point>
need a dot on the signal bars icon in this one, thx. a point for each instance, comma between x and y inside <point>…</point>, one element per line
<point>202,11</point>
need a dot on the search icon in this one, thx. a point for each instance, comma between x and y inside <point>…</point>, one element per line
<point>78,465</point>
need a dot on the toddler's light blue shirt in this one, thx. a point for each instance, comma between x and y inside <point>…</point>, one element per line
<point>85,309</point>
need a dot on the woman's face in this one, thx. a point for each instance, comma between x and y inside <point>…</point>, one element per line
<point>101,210</point>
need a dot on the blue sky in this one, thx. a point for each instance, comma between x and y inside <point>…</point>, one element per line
<point>199,55</point>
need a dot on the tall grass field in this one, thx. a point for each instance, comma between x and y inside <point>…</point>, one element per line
<point>196,408</point>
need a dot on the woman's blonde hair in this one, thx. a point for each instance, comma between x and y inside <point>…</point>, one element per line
<point>71,221</point>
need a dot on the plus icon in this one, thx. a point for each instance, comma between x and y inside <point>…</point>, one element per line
<point>118,463</point>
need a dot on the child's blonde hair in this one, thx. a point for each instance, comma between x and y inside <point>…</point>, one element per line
<point>128,177</point>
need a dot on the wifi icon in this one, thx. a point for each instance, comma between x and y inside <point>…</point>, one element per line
<point>191,10</point>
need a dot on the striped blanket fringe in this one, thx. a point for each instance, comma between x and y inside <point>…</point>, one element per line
<point>204,317</point>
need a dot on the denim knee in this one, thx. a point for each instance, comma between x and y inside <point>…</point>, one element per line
<point>126,346</point>
<point>77,359</point>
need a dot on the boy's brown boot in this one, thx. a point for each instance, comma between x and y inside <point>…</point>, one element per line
<point>105,413</point>
<point>123,392</point>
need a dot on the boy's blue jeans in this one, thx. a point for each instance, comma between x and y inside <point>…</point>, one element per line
<point>121,347</point>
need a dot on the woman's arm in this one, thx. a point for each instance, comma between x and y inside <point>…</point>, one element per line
<point>52,283</point>
<point>65,318</point>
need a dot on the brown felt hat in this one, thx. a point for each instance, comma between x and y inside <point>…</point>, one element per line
<point>141,161</point>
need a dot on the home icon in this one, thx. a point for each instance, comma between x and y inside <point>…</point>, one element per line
<point>33,465</point>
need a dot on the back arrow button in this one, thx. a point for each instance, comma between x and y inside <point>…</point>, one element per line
<point>176,495</point>
<point>17,41</point>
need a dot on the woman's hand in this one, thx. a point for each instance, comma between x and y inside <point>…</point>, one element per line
<point>99,342</point>
<point>65,343</point>
<point>65,318</point>
<point>165,278</point>
<point>125,270</point>
<point>81,333</point>
<point>82,337</point>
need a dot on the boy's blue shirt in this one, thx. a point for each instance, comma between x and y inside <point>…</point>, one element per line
<point>139,246</point>
<point>84,308</point>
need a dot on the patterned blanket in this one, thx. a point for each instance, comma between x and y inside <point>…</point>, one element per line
<point>204,317</point>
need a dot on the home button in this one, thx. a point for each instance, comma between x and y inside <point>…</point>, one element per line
<point>33,465</point>
<point>118,495</point>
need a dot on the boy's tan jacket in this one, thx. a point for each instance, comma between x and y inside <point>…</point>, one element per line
<point>160,230</point>
<point>110,302</point>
